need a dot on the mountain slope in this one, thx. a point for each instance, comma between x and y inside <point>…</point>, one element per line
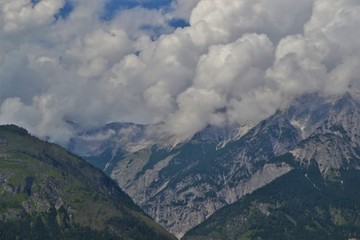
<point>299,205</point>
<point>47,193</point>
<point>317,199</point>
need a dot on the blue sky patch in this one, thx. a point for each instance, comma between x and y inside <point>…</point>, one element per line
<point>178,23</point>
<point>65,11</point>
<point>34,2</point>
<point>114,6</point>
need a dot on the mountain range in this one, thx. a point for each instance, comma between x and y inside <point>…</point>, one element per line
<point>183,182</point>
<point>318,198</point>
<point>293,175</point>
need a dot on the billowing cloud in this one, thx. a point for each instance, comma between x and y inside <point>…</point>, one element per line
<point>223,77</point>
<point>182,9</point>
<point>25,15</point>
<point>237,61</point>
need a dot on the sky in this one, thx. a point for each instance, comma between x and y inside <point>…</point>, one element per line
<point>69,64</point>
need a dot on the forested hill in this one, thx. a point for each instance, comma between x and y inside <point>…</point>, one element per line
<point>47,193</point>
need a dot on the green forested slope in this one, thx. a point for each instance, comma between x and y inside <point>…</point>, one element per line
<point>47,193</point>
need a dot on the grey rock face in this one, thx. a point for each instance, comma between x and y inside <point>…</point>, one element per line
<point>334,144</point>
<point>183,187</point>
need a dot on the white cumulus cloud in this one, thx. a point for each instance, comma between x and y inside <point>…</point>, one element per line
<point>237,61</point>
